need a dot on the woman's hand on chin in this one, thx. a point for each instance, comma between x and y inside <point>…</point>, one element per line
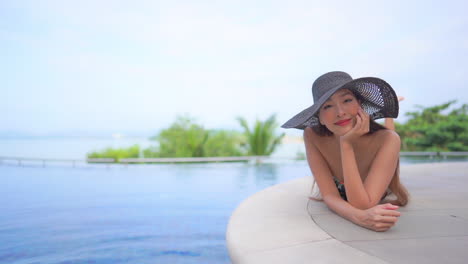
<point>379,218</point>
<point>360,128</point>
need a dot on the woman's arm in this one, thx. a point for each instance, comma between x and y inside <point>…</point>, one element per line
<point>367,194</point>
<point>355,192</point>
<point>378,218</point>
<point>319,166</point>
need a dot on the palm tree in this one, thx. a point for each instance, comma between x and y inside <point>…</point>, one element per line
<point>261,140</point>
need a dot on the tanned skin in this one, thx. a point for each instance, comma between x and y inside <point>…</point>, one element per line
<point>364,162</point>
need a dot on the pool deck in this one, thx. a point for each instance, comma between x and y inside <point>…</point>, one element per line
<point>280,225</point>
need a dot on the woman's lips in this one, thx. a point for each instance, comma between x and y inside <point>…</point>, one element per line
<point>343,122</point>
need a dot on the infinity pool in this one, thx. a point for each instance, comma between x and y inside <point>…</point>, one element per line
<point>133,214</point>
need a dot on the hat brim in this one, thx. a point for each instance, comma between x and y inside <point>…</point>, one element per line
<point>377,97</point>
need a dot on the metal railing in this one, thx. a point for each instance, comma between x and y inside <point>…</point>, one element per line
<point>196,159</point>
<point>21,160</point>
<point>431,155</point>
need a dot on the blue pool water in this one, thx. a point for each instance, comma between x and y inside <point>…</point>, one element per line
<point>128,214</point>
<point>134,214</point>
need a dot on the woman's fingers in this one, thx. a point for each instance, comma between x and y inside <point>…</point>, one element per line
<point>357,127</point>
<point>358,120</point>
<point>388,219</point>
<point>390,213</point>
<point>382,229</point>
<point>384,225</point>
<point>389,206</point>
<point>389,209</point>
<point>381,217</point>
<point>364,120</point>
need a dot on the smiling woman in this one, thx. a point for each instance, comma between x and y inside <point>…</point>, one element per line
<point>342,101</point>
<point>354,160</point>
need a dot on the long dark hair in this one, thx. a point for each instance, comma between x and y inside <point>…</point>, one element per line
<point>395,187</point>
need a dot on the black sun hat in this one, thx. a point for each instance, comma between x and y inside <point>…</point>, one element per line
<point>377,98</point>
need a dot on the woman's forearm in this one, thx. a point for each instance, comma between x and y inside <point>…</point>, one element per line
<point>378,218</point>
<point>344,209</point>
<point>355,191</point>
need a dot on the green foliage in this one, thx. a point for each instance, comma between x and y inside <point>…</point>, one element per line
<point>185,138</point>
<point>431,130</point>
<point>222,143</point>
<point>151,152</point>
<point>116,153</point>
<point>261,139</point>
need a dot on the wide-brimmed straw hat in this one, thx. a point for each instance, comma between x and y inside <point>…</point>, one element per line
<point>377,98</point>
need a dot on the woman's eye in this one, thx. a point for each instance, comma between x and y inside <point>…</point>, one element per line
<point>348,100</point>
<point>327,106</point>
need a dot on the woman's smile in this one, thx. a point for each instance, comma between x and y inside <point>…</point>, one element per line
<point>343,122</point>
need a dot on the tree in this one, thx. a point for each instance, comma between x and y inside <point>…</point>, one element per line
<point>431,130</point>
<point>185,138</point>
<point>261,139</point>
<point>223,143</point>
<point>116,153</point>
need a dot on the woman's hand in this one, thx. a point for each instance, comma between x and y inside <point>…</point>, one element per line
<point>379,218</point>
<point>360,128</point>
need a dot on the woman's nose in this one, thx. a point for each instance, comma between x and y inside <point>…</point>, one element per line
<point>340,111</point>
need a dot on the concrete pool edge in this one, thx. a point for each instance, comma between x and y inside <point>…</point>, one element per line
<point>274,225</point>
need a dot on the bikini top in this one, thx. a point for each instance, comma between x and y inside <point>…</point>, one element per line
<point>341,188</point>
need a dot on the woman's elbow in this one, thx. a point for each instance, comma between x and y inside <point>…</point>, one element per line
<point>363,205</point>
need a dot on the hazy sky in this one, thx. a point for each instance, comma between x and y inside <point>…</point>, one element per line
<point>133,66</point>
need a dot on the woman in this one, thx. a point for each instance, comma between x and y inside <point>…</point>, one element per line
<point>354,160</point>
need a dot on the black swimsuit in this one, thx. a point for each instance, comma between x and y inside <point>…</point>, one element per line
<point>341,188</point>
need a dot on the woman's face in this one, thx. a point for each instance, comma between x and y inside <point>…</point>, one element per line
<point>339,112</point>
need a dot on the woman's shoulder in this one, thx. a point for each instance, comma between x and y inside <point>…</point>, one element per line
<point>387,136</point>
<point>310,134</point>
<point>312,137</point>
